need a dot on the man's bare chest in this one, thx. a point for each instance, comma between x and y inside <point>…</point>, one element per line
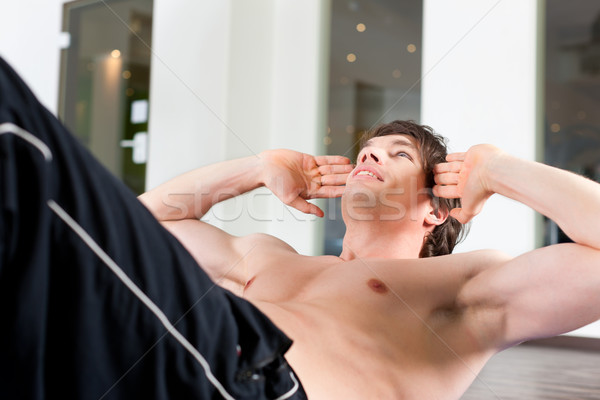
<point>379,310</point>
<point>360,290</point>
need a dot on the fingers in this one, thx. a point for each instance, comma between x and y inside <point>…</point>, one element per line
<point>326,160</point>
<point>447,178</point>
<point>334,180</point>
<point>326,192</point>
<point>309,208</point>
<point>334,174</point>
<point>456,156</point>
<point>447,192</point>
<point>335,169</point>
<point>452,166</point>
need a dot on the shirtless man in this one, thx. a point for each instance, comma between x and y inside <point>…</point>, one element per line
<point>380,322</point>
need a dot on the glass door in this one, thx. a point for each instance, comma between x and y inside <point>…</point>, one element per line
<point>572,93</point>
<point>105,81</point>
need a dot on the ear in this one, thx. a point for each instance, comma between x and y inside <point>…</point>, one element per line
<point>436,215</point>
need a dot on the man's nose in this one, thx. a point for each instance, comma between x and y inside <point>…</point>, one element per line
<point>369,155</point>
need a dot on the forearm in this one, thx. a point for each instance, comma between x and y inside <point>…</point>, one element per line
<point>192,194</point>
<point>572,201</point>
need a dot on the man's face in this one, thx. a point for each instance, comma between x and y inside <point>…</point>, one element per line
<point>388,176</point>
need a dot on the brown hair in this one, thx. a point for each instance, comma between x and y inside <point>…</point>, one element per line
<point>433,150</point>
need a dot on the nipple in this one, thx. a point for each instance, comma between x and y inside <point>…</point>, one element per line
<point>377,286</point>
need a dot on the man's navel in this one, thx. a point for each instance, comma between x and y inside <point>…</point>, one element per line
<point>377,286</point>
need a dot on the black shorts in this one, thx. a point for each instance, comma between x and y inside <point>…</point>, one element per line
<point>97,299</point>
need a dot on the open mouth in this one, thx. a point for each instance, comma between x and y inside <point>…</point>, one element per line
<point>368,172</point>
<point>361,173</point>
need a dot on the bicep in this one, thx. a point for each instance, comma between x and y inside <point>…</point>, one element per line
<point>216,251</point>
<point>542,293</point>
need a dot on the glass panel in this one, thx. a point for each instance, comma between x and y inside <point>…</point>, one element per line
<point>105,80</point>
<point>375,71</point>
<point>572,121</point>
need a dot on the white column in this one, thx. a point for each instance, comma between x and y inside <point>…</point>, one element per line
<point>276,99</point>
<point>249,87</point>
<point>479,86</point>
<point>188,86</point>
<point>299,103</point>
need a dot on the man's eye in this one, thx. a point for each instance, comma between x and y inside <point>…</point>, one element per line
<point>403,154</point>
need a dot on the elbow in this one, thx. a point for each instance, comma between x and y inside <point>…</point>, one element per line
<point>164,209</point>
<point>148,201</point>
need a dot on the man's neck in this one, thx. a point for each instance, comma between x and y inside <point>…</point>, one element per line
<point>381,240</point>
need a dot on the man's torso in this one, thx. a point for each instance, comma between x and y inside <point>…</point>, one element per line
<point>371,328</point>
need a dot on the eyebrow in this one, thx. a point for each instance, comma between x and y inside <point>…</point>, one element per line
<point>397,142</point>
<point>405,142</point>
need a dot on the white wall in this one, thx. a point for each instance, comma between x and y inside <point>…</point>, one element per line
<point>29,42</point>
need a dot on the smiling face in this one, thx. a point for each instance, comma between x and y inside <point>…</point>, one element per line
<point>388,182</point>
<point>387,158</point>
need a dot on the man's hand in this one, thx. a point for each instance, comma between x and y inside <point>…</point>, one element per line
<point>465,176</point>
<point>295,177</point>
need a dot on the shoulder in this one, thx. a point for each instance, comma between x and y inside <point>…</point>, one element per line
<point>464,266</point>
<point>464,270</point>
<point>260,251</point>
<point>485,255</point>
<point>478,261</point>
<point>263,241</point>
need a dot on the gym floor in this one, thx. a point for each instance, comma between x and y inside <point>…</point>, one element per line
<point>544,370</point>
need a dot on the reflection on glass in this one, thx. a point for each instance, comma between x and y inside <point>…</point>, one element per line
<point>104,71</point>
<point>572,134</point>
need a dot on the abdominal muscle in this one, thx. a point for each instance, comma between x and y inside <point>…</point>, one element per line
<point>332,359</point>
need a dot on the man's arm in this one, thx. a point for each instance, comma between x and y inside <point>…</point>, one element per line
<point>547,291</point>
<point>192,194</point>
<point>292,176</point>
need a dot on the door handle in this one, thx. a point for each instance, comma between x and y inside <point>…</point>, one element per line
<point>139,144</point>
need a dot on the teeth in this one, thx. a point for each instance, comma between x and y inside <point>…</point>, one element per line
<point>367,173</point>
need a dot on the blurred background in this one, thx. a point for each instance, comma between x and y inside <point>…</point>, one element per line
<point>155,88</point>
